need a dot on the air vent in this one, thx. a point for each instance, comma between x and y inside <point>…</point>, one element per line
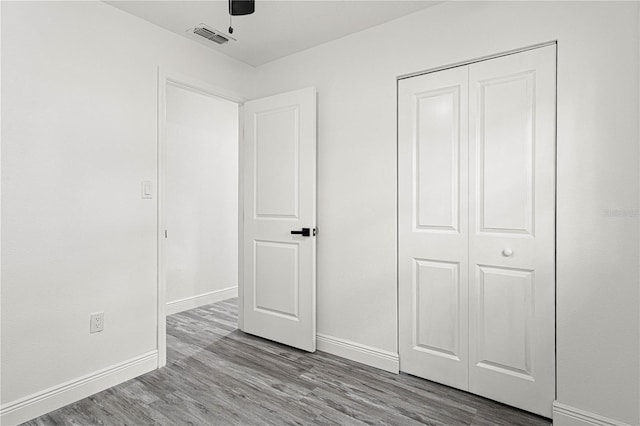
<point>210,34</point>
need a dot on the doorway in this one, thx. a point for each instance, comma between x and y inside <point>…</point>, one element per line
<point>273,255</point>
<point>200,199</point>
<point>476,227</point>
<point>199,225</point>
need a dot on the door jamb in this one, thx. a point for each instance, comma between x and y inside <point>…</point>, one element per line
<point>166,78</point>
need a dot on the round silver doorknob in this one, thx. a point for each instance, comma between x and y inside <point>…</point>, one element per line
<point>507,252</point>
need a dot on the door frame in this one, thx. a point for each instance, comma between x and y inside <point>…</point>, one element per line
<point>167,78</point>
<point>555,242</point>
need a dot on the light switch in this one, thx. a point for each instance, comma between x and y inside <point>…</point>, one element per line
<point>147,189</point>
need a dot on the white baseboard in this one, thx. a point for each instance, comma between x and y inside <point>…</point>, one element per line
<point>37,404</point>
<point>357,352</point>
<point>201,300</point>
<point>565,415</point>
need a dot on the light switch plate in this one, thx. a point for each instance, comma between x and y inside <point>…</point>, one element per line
<point>147,189</point>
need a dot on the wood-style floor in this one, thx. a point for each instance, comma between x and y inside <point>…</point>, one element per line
<point>217,375</point>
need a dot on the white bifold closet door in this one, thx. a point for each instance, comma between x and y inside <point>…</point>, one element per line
<point>476,230</point>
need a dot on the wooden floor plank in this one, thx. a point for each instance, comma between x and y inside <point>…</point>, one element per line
<point>217,375</point>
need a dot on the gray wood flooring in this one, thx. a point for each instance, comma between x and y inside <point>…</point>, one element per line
<point>217,375</point>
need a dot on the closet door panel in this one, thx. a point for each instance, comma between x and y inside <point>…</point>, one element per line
<point>512,229</point>
<point>432,229</point>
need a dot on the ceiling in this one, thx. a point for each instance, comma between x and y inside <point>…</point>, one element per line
<point>277,28</point>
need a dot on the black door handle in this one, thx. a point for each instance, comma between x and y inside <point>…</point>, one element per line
<point>305,232</point>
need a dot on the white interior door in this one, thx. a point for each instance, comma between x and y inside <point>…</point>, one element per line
<point>512,229</point>
<point>433,235</point>
<point>477,228</point>
<point>279,175</point>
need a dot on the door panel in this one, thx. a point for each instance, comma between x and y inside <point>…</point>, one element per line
<point>279,197</point>
<point>277,163</point>
<point>276,278</point>
<point>437,311</point>
<point>432,227</point>
<point>505,131</point>
<point>512,230</point>
<point>437,160</point>
<point>505,320</point>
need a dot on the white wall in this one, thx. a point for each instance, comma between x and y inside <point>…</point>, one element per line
<point>201,190</point>
<point>79,115</point>
<point>597,253</point>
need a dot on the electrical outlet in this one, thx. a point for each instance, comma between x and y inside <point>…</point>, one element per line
<point>97,322</point>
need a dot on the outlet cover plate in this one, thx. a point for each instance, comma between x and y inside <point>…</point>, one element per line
<point>97,322</point>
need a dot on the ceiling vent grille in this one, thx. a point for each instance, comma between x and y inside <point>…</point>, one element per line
<point>210,34</point>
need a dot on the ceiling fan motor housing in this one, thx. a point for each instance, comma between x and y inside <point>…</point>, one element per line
<point>241,7</point>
